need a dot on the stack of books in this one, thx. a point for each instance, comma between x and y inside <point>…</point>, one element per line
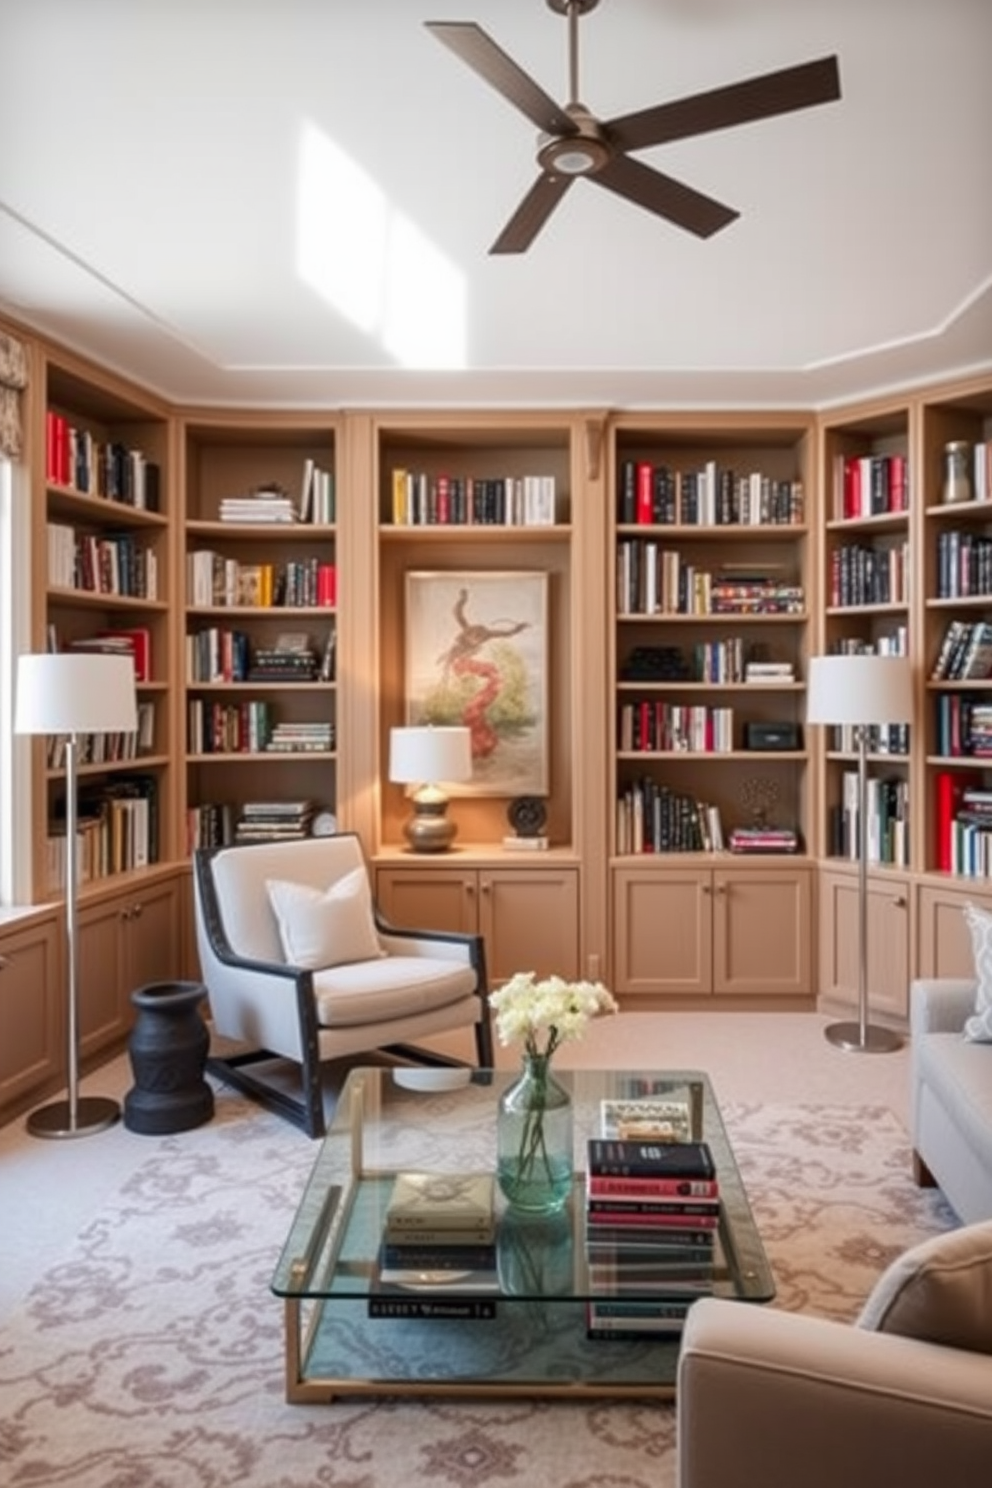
<point>270,505</point>
<point>274,821</point>
<point>301,738</point>
<point>437,1258</point>
<point>652,1216</point>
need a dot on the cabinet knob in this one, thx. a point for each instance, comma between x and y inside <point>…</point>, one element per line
<point>707,889</point>
<point>486,886</point>
<point>900,901</point>
<point>126,914</point>
<point>4,962</point>
<point>721,888</point>
<point>137,911</point>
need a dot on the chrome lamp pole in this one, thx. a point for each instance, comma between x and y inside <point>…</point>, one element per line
<point>74,694</point>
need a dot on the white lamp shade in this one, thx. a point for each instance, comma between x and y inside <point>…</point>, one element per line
<point>428,755</point>
<point>860,689</point>
<point>75,692</point>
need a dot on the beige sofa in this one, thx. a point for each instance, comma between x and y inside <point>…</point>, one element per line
<point>770,1399</point>
<point>951,1097</point>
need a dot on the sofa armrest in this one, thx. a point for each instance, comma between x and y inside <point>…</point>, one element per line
<point>774,1398</point>
<point>940,1005</point>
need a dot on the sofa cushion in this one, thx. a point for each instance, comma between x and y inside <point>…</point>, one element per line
<point>330,928</point>
<point>939,1291</point>
<point>979,1025</point>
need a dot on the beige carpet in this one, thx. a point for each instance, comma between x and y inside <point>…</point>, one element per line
<point>146,1348</point>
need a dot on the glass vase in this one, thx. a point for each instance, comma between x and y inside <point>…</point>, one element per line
<point>534,1140</point>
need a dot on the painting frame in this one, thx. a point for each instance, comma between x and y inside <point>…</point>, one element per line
<point>470,634</point>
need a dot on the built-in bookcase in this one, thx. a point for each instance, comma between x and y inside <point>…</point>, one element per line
<point>259,645</point>
<point>103,571</point>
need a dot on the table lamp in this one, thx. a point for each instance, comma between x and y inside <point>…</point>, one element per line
<point>864,691</point>
<point>425,757</point>
<point>74,693</point>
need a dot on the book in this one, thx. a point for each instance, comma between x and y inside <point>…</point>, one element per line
<point>607,1186</point>
<point>416,1255</point>
<point>394,1305</point>
<point>619,1158</point>
<point>460,1204</point>
<point>654,1119</point>
<point>625,1206</point>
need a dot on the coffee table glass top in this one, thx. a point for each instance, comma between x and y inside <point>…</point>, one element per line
<point>444,1121</point>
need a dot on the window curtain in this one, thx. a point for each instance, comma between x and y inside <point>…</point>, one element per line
<point>13,381</point>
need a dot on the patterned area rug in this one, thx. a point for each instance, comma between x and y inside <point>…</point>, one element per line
<point>151,1357</point>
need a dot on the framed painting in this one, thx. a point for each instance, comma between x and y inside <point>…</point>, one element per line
<point>477,656</point>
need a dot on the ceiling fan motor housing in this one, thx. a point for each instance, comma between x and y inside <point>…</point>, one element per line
<point>579,154</point>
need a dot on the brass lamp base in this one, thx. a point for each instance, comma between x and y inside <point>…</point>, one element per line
<point>430,830</point>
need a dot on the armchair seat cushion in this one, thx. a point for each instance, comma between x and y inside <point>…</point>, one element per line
<point>387,991</point>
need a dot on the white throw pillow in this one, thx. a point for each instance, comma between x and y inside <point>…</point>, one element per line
<point>325,928</point>
<point>979,1027</point>
<point>939,1291</point>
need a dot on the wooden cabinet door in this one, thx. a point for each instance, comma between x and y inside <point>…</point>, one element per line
<point>663,931</point>
<point>429,898</point>
<point>762,932</point>
<point>888,942</point>
<point>944,943</point>
<point>530,921</point>
<point>154,938</point>
<point>32,1010</point>
<point>102,973</point>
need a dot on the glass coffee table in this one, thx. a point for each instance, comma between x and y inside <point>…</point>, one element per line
<point>531,1334</point>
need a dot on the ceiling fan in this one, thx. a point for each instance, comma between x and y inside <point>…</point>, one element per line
<point>573,142</point>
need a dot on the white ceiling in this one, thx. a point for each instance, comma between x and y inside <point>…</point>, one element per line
<point>167,203</point>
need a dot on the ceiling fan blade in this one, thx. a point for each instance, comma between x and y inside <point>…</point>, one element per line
<point>532,213</point>
<point>664,196</point>
<point>740,103</point>
<point>476,48</point>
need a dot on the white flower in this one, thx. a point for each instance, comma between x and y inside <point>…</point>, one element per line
<point>544,1014</point>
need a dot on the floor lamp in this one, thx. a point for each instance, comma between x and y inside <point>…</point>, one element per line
<point>74,693</point>
<point>861,691</point>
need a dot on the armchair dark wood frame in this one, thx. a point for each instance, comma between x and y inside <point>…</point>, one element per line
<point>307,1112</point>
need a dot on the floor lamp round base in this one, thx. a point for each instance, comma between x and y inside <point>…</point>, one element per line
<point>94,1113</point>
<point>876,1040</point>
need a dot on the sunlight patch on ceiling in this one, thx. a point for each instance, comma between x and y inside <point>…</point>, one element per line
<point>373,264</point>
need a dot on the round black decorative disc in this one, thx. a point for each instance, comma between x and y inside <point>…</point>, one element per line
<point>527,815</point>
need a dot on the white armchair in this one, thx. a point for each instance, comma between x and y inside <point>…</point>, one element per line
<point>299,965</point>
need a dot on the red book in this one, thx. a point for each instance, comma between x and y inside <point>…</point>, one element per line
<point>645,503</point>
<point>327,585</point>
<point>618,1216</point>
<point>141,649</point>
<point>646,1188</point>
<point>949,788</point>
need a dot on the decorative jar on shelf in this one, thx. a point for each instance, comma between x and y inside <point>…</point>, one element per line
<point>534,1162</point>
<point>957,485</point>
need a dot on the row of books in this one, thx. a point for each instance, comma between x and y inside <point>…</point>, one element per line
<point>214,580</point>
<point>423,500</point>
<point>250,727</point>
<point>963,726</point>
<point>714,496</point>
<point>965,653</point>
<point>219,655</point>
<point>963,823</point>
<point>887,824</point>
<point>730,659</point>
<point>864,575</point>
<point>660,727</point>
<point>653,818</point>
<point>104,748</point>
<point>870,485</point>
<point>964,564</point>
<point>219,823</point>
<point>114,563</point>
<point>78,461</point>
<point>117,831</point>
<point>655,580</point>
